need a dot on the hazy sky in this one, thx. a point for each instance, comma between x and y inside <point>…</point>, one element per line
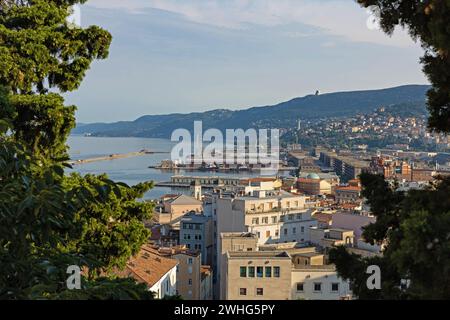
<point>172,56</point>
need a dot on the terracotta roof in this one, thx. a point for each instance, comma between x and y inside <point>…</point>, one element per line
<point>348,188</point>
<point>258,180</point>
<point>323,217</point>
<point>148,266</point>
<point>307,180</point>
<point>205,271</point>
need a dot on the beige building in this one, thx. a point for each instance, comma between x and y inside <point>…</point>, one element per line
<point>231,242</point>
<point>328,238</point>
<point>172,210</point>
<point>281,272</point>
<point>192,276</point>
<point>264,275</point>
<point>314,185</point>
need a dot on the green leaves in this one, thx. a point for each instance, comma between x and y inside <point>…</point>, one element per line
<point>49,221</point>
<point>426,21</point>
<point>415,227</point>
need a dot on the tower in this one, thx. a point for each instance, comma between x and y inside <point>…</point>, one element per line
<point>196,190</point>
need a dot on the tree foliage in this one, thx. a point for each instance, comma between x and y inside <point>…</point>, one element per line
<point>50,220</point>
<point>414,227</point>
<point>427,21</point>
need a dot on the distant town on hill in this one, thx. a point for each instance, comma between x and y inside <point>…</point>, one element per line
<point>409,100</point>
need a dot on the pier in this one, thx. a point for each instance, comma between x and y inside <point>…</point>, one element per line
<point>114,157</point>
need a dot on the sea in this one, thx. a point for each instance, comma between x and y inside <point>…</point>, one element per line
<point>132,170</point>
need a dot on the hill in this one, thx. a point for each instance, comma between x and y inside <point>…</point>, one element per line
<point>283,115</point>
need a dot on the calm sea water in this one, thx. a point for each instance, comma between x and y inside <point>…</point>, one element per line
<point>131,170</point>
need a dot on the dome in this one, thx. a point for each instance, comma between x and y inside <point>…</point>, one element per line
<point>314,176</point>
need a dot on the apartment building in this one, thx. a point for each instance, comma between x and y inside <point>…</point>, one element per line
<point>328,238</point>
<point>279,273</point>
<point>192,277</point>
<point>230,242</point>
<point>171,211</point>
<point>196,233</point>
<point>264,275</point>
<point>346,167</point>
<point>274,216</point>
<point>347,194</point>
<point>318,282</point>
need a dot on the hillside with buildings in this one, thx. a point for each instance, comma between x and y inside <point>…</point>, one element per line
<point>282,116</point>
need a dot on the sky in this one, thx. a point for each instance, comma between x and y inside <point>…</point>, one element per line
<point>179,56</point>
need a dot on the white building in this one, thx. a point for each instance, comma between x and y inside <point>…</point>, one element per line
<point>318,283</point>
<point>274,216</point>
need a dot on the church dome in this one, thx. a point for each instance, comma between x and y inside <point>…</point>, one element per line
<point>314,176</point>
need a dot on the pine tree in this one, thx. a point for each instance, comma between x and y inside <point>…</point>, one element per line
<point>49,220</point>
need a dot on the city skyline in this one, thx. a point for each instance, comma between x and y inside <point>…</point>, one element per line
<point>168,57</point>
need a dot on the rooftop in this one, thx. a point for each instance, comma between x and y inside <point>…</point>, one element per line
<point>184,200</point>
<point>258,254</point>
<point>148,266</point>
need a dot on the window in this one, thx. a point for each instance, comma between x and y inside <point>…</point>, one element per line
<point>255,221</point>
<point>291,217</point>
<point>190,282</point>
<point>251,272</point>
<point>276,272</point>
<point>259,272</point>
<point>268,272</point>
<point>190,261</point>
<point>296,204</point>
<point>299,216</point>
<point>268,234</point>
<point>317,287</point>
<point>300,287</point>
<point>274,219</point>
<point>302,229</point>
<point>190,269</point>
<point>265,220</point>
<point>285,231</point>
<point>277,233</point>
<point>335,287</point>
<point>259,291</point>
<point>242,291</point>
<point>243,272</point>
<point>294,230</point>
<point>259,235</point>
<point>281,218</point>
